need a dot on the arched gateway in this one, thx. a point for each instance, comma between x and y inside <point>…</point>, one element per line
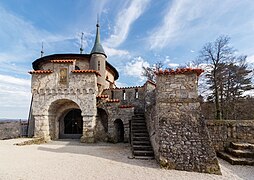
<point>65,120</point>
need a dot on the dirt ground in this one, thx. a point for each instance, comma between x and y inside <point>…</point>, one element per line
<point>73,160</point>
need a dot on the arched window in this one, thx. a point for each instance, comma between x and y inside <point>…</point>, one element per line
<point>124,95</point>
<point>136,93</point>
<point>99,65</point>
<point>112,94</point>
<point>119,130</point>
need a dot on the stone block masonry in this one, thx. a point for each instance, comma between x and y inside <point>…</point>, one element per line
<point>222,132</point>
<point>183,140</point>
<point>12,129</point>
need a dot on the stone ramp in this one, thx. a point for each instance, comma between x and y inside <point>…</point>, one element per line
<point>238,154</point>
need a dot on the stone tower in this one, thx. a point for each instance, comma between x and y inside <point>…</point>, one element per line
<point>98,59</point>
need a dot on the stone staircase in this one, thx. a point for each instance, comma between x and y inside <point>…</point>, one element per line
<point>238,154</point>
<point>140,141</point>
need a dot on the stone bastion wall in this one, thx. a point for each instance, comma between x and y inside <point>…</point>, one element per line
<point>12,129</point>
<point>179,136</point>
<point>222,132</point>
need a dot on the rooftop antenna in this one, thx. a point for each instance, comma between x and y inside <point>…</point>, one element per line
<point>42,52</point>
<point>98,19</point>
<point>81,43</point>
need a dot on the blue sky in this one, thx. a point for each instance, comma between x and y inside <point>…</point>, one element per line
<point>134,33</point>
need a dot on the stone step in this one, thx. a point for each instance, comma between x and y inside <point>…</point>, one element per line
<point>141,143</point>
<point>246,153</point>
<point>144,157</point>
<point>143,134</point>
<point>140,139</point>
<point>242,146</point>
<point>235,160</point>
<point>143,153</point>
<point>138,125</point>
<point>138,117</point>
<point>139,114</point>
<point>139,131</point>
<point>135,129</point>
<point>138,122</point>
<point>143,148</point>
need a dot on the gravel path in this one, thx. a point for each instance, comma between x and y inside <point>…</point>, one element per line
<point>73,160</point>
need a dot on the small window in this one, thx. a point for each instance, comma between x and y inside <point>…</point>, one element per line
<point>77,68</point>
<point>112,94</point>
<point>99,65</point>
<point>136,93</point>
<point>124,95</point>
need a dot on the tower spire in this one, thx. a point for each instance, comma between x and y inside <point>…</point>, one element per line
<point>97,48</point>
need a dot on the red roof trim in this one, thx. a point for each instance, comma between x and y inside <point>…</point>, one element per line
<point>40,72</point>
<point>117,88</point>
<point>180,71</point>
<point>151,82</point>
<point>102,96</point>
<point>86,71</point>
<point>63,61</point>
<point>113,101</point>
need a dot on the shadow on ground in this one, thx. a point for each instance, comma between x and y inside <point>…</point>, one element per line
<point>116,152</point>
<point>242,172</point>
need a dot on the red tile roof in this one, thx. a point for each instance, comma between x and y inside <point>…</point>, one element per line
<point>120,88</point>
<point>63,61</point>
<point>102,96</point>
<point>86,71</point>
<point>113,100</point>
<point>40,72</point>
<point>180,71</point>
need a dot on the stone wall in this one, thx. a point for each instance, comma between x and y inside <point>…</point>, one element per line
<point>134,96</point>
<point>115,111</point>
<point>222,132</point>
<point>150,116</point>
<point>182,136</point>
<point>51,98</point>
<point>12,129</point>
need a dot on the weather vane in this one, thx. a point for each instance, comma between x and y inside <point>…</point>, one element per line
<point>42,52</point>
<point>81,43</point>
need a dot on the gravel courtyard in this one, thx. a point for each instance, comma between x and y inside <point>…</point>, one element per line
<point>73,160</point>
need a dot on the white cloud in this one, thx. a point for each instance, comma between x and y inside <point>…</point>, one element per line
<point>250,59</point>
<point>134,68</point>
<point>121,84</point>
<point>173,65</point>
<point>115,52</point>
<point>15,97</point>
<point>124,21</point>
<point>171,24</point>
<point>184,21</point>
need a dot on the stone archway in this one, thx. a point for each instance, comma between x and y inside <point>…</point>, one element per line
<point>71,125</point>
<point>119,130</point>
<point>64,112</point>
<point>101,129</point>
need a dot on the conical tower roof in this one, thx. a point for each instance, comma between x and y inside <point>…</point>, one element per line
<point>97,48</point>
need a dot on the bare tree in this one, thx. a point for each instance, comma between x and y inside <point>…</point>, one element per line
<point>227,76</point>
<point>149,72</point>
